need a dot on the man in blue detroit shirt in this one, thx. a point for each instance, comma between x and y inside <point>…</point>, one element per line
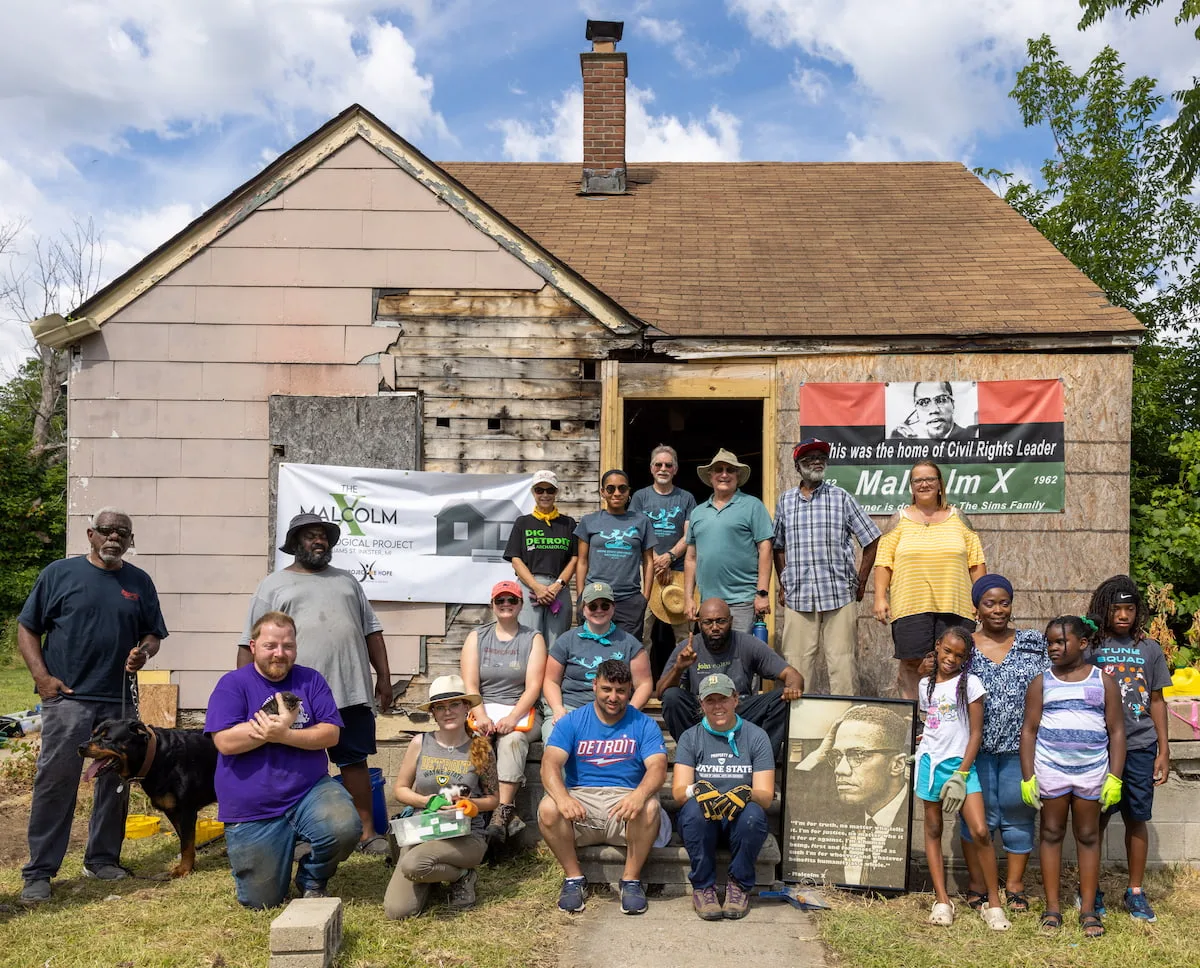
<point>602,769</point>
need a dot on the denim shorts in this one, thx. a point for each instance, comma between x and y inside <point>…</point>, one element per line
<point>928,787</point>
<point>357,740</point>
<point>1137,790</point>
<point>1000,777</point>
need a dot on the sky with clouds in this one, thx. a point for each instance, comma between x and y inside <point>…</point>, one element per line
<point>140,114</point>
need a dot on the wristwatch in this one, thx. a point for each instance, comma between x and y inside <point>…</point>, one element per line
<point>671,555</point>
<point>763,591</point>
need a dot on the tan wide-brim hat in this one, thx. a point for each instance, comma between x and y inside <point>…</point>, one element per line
<point>667,602</point>
<point>724,457</point>
<point>444,688</point>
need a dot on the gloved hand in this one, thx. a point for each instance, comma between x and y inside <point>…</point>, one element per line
<point>1110,792</point>
<point>954,792</point>
<point>736,799</point>
<point>1030,794</point>
<point>710,800</point>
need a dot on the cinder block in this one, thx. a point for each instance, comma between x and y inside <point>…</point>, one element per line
<point>308,959</point>
<point>308,926</point>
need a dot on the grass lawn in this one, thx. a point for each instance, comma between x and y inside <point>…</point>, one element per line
<point>868,933</point>
<point>16,689</point>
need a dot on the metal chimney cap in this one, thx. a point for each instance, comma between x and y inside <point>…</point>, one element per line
<point>605,30</point>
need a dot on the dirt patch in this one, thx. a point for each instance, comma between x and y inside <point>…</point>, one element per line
<point>16,795</point>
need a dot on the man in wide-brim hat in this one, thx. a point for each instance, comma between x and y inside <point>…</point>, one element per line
<point>729,544</point>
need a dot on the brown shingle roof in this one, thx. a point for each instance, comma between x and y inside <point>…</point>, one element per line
<point>803,250</point>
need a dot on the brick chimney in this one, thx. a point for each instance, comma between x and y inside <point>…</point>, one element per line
<point>604,72</point>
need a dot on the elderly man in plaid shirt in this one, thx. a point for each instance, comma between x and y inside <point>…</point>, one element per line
<point>818,582</point>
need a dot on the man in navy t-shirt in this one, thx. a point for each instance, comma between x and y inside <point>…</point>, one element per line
<point>88,625</point>
<point>602,769</point>
<point>272,779</point>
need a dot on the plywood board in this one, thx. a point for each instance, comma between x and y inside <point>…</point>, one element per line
<point>158,704</point>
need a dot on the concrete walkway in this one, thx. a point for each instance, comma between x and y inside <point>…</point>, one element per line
<point>669,935</point>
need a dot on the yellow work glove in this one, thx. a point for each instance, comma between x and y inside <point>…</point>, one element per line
<point>710,799</point>
<point>1030,794</point>
<point>1110,792</point>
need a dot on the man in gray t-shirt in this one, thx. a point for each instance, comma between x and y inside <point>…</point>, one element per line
<point>339,635</point>
<point>740,656</point>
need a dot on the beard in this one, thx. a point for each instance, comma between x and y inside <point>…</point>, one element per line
<point>110,557</point>
<point>812,476</point>
<point>314,560</point>
<point>718,643</point>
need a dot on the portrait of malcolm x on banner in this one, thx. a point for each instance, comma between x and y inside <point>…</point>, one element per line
<point>931,410</point>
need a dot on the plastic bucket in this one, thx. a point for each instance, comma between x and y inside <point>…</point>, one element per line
<point>379,817</point>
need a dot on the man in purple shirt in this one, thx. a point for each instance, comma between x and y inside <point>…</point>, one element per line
<point>272,722</point>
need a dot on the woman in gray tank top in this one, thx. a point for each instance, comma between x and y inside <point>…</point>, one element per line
<point>504,662</point>
<point>452,755</point>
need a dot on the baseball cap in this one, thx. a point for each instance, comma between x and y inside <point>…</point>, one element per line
<point>545,477</point>
<point>808,445</point>
<point>718,684</point>
<point>596,590</point>
<point>507,586</point>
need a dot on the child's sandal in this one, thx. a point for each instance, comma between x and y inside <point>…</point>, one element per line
<point>976,900</point>
<point>1092,926</point>
<point>1051,922</point>
<point>1018,901</point>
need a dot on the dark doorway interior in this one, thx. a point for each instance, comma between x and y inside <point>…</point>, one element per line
<point>697,429</point>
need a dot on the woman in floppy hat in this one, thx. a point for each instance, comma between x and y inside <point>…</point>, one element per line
<point>616,546</point>
<point>543,550</point>
<point>450,755</point>
<point>504,662</point>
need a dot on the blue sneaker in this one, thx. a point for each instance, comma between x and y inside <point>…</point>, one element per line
<point>1138,905</point>
<point>1100,909</point>
<point>633,897</point>
<point>573,896</point>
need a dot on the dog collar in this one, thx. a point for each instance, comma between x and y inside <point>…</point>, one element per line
<point>151,749</point>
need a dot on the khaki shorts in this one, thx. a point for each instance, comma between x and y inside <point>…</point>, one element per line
<point>598,827</point>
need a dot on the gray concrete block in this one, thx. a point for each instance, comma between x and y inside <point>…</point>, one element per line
<point>309,925</point>
<point>306,959</point>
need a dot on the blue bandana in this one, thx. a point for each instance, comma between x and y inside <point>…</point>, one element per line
<point>728,737</point>
<point>602,638</point>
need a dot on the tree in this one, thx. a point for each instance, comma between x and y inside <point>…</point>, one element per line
<point>1187,124</point>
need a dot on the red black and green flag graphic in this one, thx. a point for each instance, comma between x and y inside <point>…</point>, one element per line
<point>999,443</point>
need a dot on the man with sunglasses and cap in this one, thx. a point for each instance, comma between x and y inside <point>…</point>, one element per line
<point>816,525</point>
<point>341,637</point>
<point>729,545</point>
<point>543,550</point>
<point>88,625</point>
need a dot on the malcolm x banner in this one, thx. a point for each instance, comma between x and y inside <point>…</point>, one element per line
<point>410,536</point>
<point>999,443</point>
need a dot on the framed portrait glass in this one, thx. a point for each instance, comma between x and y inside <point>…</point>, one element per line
<point>847,792</point>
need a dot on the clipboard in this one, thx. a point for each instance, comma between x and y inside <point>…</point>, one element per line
<point>497,711</point>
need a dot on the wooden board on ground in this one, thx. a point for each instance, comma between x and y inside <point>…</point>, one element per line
<point>158,703</point>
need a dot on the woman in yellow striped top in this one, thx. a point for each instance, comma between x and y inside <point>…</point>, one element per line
<point>925,566</point>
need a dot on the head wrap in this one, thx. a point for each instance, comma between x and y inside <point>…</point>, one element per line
<point>986,583</point>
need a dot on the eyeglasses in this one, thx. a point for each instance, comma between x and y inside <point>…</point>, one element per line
<point>667,464</point>
<point>924,480</point>
<point>107,529</point>
<point>616,488</point>
<point>451,706</point>
<point>599,605</point>
<point>506,600</point>
<point>545,490</point>
<point>854,757</point>
<point>724,469</point>
<point>940,400</point>
<point>706,622</point>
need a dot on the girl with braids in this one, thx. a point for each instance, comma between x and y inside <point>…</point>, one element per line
<point>1136,662</point>
<point>1072,755</point>
<point>453,755</point>
<point>951,702</point>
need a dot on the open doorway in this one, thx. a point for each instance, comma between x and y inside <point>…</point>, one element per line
<point>697,429</point>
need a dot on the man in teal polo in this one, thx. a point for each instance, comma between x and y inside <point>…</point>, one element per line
<point>729,545</point>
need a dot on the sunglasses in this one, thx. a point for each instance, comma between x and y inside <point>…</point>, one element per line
<point>506,600</point>
<point>545,490</point>
<point>599,605</point>
<point>662,464</point>
<point>616,488</point>
<point>108,529</point>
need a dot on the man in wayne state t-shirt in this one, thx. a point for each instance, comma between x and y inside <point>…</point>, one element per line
<point>739,655</point>
<point>602,769</point>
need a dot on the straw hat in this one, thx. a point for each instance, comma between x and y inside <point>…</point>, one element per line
<point>724,457</point>
<point>667,602</point>
<point>444,688</point>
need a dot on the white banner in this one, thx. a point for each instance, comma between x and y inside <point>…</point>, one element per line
<point>410,536</point>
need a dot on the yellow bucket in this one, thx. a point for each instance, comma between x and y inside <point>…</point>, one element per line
<point>1184,682</point>
<point>139,825</point>
<point>207,830</point>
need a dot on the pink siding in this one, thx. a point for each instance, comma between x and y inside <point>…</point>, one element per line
<point>168,404</point>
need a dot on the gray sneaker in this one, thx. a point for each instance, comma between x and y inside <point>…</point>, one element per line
<point>35,891</point>
<point>462,891</point>
<point>107,872</point>
<point>708,908</point>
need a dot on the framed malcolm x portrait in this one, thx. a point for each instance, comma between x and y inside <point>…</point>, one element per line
<point>847,792</point>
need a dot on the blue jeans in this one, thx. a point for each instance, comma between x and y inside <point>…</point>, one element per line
<point>260,851</point>
<point>701,837</point>
<point>66,725</point>
<point>1000,778</point>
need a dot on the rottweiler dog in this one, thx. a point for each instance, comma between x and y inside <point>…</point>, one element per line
<point>178,779</point>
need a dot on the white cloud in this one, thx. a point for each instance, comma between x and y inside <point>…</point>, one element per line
<point>931,75</point>
<point>698,58</point>
<point>660,31</point>
<point>649,137</point>
<point>812,86</point>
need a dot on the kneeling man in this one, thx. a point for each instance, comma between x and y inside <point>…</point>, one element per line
<point>724,781</point>
<point>272,721</point>
<point>615,762</point>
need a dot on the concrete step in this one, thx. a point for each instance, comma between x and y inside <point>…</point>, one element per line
<point>668,866</point>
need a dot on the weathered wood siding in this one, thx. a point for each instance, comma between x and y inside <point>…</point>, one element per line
<point>1053,560</point>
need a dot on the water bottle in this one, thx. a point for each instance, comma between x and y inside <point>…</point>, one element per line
<point>760,630</point>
